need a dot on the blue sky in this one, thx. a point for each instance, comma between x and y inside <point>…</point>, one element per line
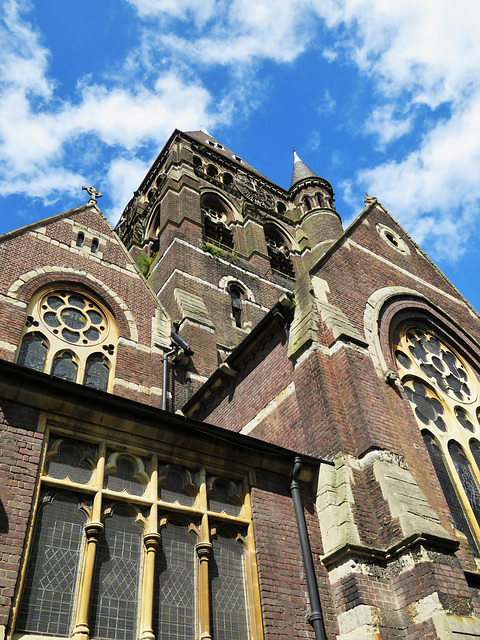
<point>377,96</point>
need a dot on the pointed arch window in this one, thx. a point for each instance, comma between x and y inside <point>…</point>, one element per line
<point>71,336</point>
<point>445,397</point>
<point>216,216</point>
<point>278,252</point>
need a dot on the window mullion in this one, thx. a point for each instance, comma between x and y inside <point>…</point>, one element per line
<point>150,539</point>
<point>204,551</point>
<point>93,531</point>
<point>253,588</point>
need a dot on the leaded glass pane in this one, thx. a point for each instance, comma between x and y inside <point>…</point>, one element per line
<point>475,449</point>
<point>95,318</point>
<point>173,489</point>
<point>73,319</point>
<point>113,612</point>
<point>227,588</point>
<point>464,420</point>
<point>65,367</point>
<point>174,599</point>
<point>91,334</point>
<point>71,462</point>
<point>33,352</point>
<point>97,372</point>
<point>48,597</point>
<point>70,336</point>
<point>51,319</point>
<point>448,489</point>
<point>466,477</point>
<point>55,302</point>
<point>221,499</point>
<point>122,478</point>
<point>76,301</point>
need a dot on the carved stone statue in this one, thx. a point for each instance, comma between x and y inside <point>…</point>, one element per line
<point>93,193</point>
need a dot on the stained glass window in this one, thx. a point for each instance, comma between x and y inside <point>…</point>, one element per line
<point>122,478</point>
<point>444,396</point>
<point>448,489</point>
<point>467,478</point>
<point>174,617</point>
<point>117,576</point>
<point>183,583</point>
<point>71,460</point>
<point>65,367</point>
<point>33,351</point>
<point>227,578</point>
<point>172,489</point>
<point>224,497</point>
<point>48,597</point>
<point>96,372</point>
<point>74,321</point>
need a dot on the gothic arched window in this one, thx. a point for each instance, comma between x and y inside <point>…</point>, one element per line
<point>444,394</point>
<point>278,251</point>
<point>215,218</point>
<point>71,336</point>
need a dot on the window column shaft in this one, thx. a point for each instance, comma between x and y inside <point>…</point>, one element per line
<point>204,550</point>
<point>93,531</point>
<point>151,540</point>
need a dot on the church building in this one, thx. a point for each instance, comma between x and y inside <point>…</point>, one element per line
<point>230,418</point>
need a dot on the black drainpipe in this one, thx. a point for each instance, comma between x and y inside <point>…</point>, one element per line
<point>316,617</point>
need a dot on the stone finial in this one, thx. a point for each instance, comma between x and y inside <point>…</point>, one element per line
<point>369,199</point>
<point>93,193</point>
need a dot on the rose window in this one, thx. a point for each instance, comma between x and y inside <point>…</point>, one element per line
<point>73,318</point>
<point>70,336</point>
<point>427,407</point>
<point>439,364</point>
<point>444,394</point>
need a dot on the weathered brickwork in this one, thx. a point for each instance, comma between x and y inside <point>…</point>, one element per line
<point>292,323</point>
<point>20,453</point>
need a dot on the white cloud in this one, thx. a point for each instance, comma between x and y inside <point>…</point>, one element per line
<point>386,126</point>
<point>123,177</point>
<point>440,180</point>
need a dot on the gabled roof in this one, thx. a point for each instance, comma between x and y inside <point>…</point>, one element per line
<point>45,221</point>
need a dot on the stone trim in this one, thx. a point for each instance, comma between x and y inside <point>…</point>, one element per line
<point>79,276</point>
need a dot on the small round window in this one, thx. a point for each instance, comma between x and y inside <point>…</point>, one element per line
<point>393,239</point>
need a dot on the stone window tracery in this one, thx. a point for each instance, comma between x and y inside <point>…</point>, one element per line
<point>70,335</point>
<point>445,397</point>
<point>126,545</point>
<point>278,251</point>
<point>215,218</point>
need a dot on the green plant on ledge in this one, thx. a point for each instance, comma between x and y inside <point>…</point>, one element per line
<point>143,260</point>
<point>217,251</point>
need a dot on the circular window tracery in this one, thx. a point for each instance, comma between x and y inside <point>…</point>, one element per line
<point>74,318</point>
<point>69,335</point>
<point>443,392</point>
<point>443,368</point>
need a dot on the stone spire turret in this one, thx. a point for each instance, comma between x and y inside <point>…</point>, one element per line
<point>300,170</point>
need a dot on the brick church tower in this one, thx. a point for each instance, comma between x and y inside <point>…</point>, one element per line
<point>231,419</point>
